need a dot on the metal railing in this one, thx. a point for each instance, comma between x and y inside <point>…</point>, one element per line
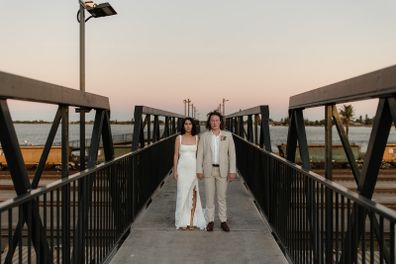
<point>258,131</point>
<point>146,131</point>
<point>379,84</point>
<point>295,202</point>
<point>79,218</point>
<point>119,190</point>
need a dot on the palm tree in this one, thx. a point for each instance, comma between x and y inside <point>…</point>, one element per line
<point>346,114</point>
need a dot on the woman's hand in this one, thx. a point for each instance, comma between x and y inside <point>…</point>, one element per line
<point>175,175</point>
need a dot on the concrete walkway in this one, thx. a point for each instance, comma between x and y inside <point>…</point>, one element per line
<point>154,239</point>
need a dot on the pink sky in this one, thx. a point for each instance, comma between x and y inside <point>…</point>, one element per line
<point>158,54</point>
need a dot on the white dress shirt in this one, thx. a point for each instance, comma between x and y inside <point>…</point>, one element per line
<point>215,148</point>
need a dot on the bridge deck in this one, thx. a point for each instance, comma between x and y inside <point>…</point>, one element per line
<point>153,238</point>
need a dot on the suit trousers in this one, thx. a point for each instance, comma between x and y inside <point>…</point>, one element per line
<point>216,184</point>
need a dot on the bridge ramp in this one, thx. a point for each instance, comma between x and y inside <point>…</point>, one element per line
<point>154,239</point>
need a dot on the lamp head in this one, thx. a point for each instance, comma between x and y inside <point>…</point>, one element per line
<point>98,10</point>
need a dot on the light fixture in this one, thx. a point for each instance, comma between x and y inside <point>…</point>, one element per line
<point>98,10</point>
<point>102,10</point>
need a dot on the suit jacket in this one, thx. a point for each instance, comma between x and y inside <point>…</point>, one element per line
<point>227,160</point>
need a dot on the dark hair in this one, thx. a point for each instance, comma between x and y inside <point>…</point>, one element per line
<point>194,126</point>
<point>216,114</point>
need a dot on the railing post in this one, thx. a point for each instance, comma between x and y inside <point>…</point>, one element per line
<point>66,188</point>
<point>328,175</point>
<point>137,128</point>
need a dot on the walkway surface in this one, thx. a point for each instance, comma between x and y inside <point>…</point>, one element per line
<point>154,239</point>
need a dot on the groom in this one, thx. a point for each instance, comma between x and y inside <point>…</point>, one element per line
<point>216,164</point>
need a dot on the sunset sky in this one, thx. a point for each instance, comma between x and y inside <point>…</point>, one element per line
<point>158,53</point>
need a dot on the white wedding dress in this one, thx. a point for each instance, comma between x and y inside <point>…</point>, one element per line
<point>186,182</point>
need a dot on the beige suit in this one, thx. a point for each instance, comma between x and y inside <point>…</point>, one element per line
<point>216,177</point>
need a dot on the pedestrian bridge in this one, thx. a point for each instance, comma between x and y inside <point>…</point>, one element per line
<point>122,210</point>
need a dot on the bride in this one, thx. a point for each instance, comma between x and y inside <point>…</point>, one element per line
<point>189,213</point>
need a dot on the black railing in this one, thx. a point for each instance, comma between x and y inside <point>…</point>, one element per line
<point>295,202</point>
<point>147,131</point>
<point>119,190</point>
<point>257,130</point>
<point>117,139</point>
<point>379,84</point>
<point>80,218</point>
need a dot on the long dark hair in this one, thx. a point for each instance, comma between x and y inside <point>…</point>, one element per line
<point>216,113</point>
<point>194,126</point>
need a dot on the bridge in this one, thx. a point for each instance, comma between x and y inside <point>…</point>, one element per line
<point>121,209</point>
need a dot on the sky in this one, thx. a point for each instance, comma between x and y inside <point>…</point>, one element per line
<point>158,53</point>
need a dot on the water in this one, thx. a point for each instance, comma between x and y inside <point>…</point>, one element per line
<point>36,134</point>
<point>315,135</point>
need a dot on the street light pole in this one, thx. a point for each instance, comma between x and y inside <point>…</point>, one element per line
<point>82,85</point>
<point>224,100</point>
<point>82,47</point>
<point>188,106</point>
<point>185,107</point>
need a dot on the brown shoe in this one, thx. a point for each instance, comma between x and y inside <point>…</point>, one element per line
<point>225,227</point>
<point>210,226</point>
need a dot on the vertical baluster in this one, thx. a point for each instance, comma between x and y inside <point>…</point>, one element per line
<point>52,223</point>
<point>58,225</point>
<point>20,242</point>
<point>37,227</point>
<point>349,234</point>
<point>101,219</point>
<point>337,221</point>
<point>342,237</point>
<point>363,242</point>
<point>322,223</point>
<point>382,241</point>
<point>29,225</point>
<point>392,242</point>
<point>372,219</point>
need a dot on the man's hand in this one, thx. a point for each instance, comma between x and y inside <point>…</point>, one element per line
<point>231,177</point>
<point>200,176</point>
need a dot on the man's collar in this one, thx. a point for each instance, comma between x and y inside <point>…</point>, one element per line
<point>211,131</point>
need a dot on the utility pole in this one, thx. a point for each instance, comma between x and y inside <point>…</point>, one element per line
<point>185,107</point>
<point>188,106</point>
<point>192,110</point>
<point>224,100</point>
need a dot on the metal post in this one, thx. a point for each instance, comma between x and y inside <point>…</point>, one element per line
<point>188,107</point>
<point>82,85</point>
<point>82,48</point>
<point>224,100</point>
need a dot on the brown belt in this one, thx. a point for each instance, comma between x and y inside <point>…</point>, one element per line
<point>215,165</point>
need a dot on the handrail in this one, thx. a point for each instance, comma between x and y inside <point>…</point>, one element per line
<point>379,84</point>
<point>257,130</point>
<point>375,84</point>
<point>251,111</point>
<point>356,197</point>
<point>26,89</point>
<point>141,138</point>
<point>297,204</point>
<point>120,188</point>
<point>153,111</point>
<point>65,181</point>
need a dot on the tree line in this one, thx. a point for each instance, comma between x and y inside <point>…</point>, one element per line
<point>347,114</point>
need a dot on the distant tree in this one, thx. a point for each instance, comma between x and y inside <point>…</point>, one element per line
<point>346,113</point>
